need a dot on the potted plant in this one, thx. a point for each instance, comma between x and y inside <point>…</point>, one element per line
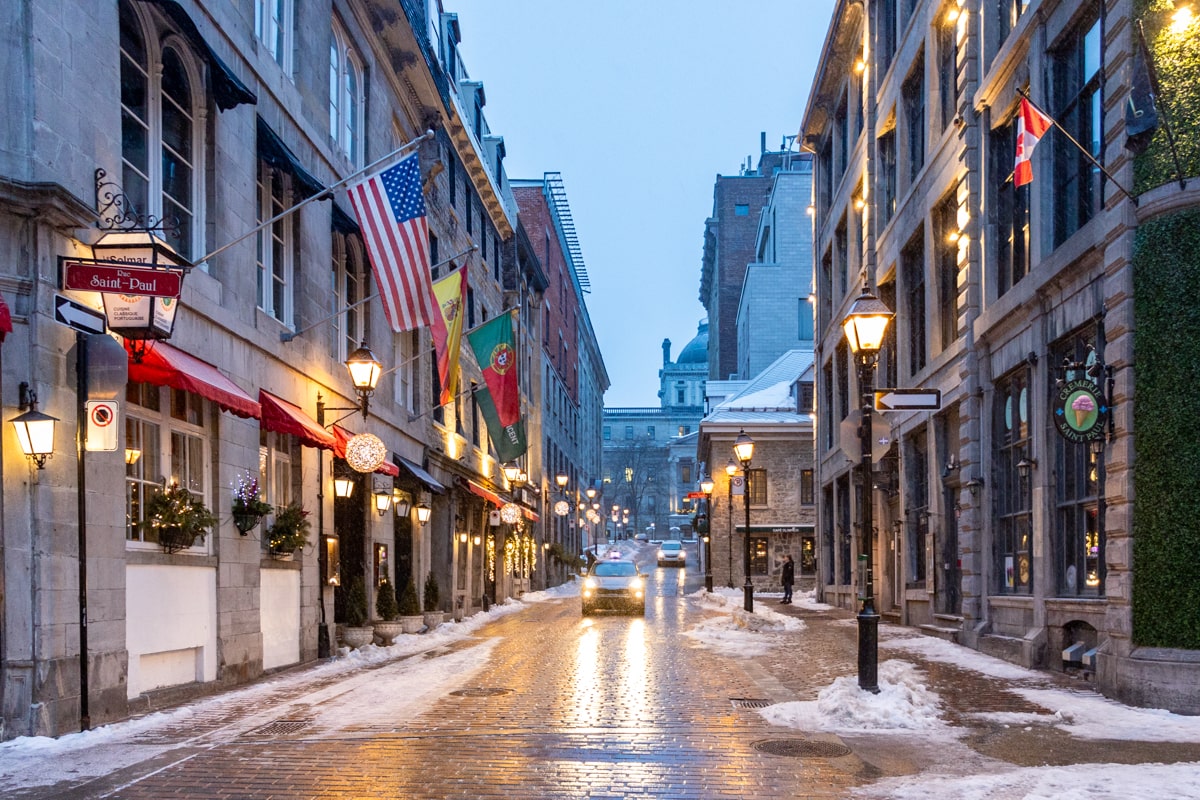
<point>356,632</point>
<point>433,615</point>
<point>175,518</point>
<point>410,611</point>
<point>248,507</point>
<point>289,531</point>
<point>387,626</point>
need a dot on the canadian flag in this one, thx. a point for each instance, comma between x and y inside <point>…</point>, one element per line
<point>1031,127</point>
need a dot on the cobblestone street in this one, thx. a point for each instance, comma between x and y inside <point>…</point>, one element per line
<point>545,703</point>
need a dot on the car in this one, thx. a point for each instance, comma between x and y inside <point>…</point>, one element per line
<point>614,584</point>
<point>641,537</point>
<point>671,553</point>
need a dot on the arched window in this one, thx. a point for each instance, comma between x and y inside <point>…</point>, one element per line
<point>162,124</point>
<point>345,96</point>
<point>350,285</point>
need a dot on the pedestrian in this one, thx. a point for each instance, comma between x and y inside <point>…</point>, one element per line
<point>789,577</point>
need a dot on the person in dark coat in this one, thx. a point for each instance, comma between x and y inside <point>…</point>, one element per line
<point>789,577</point>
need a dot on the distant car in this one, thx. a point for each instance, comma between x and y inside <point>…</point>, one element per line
<point>671,553</point>
<point>641,537</point>
<point>614,584</point>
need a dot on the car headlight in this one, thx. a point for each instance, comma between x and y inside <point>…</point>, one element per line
<point>589,583</point>
<point>636,583</point>
<point>661,554</point>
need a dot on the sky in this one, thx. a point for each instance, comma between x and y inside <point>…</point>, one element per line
<point>905,706</point>
<point>640,104</point>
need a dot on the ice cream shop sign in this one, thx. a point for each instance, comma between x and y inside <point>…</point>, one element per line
<point>1080,410</point>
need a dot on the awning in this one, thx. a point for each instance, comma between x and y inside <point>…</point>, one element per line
<point>5,320</point>
<point>283,417</point>
<point>227,89</point>
<point>164,365</point>
<point>341,436</point>
<point>530,514</point>
<point>485,493</point>
<point>272,150</point>
<point>343,222</point>
<point>422,476</point>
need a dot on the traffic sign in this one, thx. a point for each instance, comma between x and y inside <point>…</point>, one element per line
<point>908,399</point>
<point>102,418</point>
<point>77,315</point>
<point>121,279</point>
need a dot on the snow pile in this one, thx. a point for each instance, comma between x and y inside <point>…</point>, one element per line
<point>1092,716</point>
<point>945,652</point>
<point>729,601</point>
<point>904,704</point>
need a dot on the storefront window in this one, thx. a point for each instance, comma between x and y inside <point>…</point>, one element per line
<point>1013,543</point>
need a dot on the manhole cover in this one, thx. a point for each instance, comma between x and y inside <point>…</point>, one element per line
<point>481,691</point>
<point>281,727</point>
<point>801,748</point>
<point>749,702</point>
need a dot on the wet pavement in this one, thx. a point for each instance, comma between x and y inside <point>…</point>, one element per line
<point>546,703</point>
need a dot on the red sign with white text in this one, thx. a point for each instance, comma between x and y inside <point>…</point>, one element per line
<point>115,279</point>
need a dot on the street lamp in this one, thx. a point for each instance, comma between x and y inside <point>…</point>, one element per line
<point>561,479</point>
<point>743,449</point>
<point>35,430</point>
<point>365,370</point>
<point>730,470</point>
<point>865,325</point>
<point>706,486</point>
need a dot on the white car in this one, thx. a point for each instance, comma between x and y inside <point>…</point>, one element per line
<point>614,584</point>
<point>671,553</point>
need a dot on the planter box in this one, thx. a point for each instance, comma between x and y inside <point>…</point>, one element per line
<point>388,630</point>
<point>412,624</point>
<point>432,619</point>
<point>355,638</point>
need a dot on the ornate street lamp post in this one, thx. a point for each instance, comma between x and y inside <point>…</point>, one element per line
<point>706,486</point>
<point>865,325</point>
<point>743,448</point>
<point>730,471</point>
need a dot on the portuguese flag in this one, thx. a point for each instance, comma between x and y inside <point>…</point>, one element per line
<point>500,402</point>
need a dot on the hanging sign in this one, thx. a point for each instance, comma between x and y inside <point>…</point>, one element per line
<point>1080,411</point>
<point>121,279</point>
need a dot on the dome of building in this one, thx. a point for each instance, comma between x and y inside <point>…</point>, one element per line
<point>696,351</point>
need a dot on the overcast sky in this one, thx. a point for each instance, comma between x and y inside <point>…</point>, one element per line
<point>640,104</point>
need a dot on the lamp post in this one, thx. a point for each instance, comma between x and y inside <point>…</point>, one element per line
<point>743,448</point>
<point>706,486</point>
<point>730,471</point>
<point>864,326</point>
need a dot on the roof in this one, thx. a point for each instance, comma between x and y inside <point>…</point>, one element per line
<point>696,351</point>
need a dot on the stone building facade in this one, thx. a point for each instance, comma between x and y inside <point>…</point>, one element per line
<point>999,523</point>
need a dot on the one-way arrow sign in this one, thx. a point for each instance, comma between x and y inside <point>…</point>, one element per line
<point>77,315</point>
<point>908,399</point>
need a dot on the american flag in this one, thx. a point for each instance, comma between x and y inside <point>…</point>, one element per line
<point>391,212</point>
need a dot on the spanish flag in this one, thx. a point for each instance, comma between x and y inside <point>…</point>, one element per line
<point>447,329</point>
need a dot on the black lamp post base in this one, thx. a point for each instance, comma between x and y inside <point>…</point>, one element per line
<point>748,591</point>
<point>708,584</point>
<point>323,646</point>
<point>868,648</point>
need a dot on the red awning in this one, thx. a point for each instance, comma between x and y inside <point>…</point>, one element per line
<point>486,494</point>
<point>164,365</point>
<point>283,417</point>
<point>341,436</point>
<point>5,320</point>
<point>529,514</point>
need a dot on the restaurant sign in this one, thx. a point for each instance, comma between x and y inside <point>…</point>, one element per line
<point>121,279</point>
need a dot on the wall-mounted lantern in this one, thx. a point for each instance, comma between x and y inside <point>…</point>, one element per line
<point>35,430</point>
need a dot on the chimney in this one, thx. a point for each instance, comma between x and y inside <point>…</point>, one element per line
<point>762,142</point>
<point>666,352</point>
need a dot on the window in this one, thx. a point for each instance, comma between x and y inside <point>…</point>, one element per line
<point>886,33</point>
<point>1012,496</point>
<point>945,221</point>
<point>434,259</point>
<point>168,426</point>
<point>804,320</point>
<point>947,71</point>
<point>806,487</point>
<point>917,502</point>
<point>887,176</point>
<point>628,431</point>
<point>350,285</point>
<point>913,98</point>
<point>278,469</point>
<point>756,484</point>
<point>1011,209</point>
<point>680,395</point>
<point>276,244</point>
<point>345,96</point>
<point>452,179</point>
<point>758,555</point>
<point>162,146</point>
<point>1077,92</point>
<point>1010,12</point>
<point>273,27</point>
<point>407,388</point>
<point>650,431</point>
<point>607,433</point>
<point>684,430</point>
<point>741,210</point>
<point>1079,541</point>
<point>685,474</point>
<point>912,261</point>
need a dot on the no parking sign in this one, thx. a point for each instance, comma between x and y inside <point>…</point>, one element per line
<point>102,418</point>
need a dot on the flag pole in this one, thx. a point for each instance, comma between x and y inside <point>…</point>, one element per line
<point>321,195</point>
<point>1075,142</point>
<point>287,336</point>
<point>1162,110</point>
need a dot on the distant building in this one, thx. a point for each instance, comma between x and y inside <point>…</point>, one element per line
<point>644,471</point>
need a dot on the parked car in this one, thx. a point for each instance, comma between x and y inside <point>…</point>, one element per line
<point>615,584</point>
<point>671,553</point>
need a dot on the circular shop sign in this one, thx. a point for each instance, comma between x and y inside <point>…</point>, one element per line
<point>1080,411</point>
